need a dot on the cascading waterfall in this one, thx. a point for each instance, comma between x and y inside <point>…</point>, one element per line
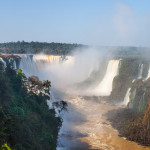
<point>69,60</point>
<point>148,75</point>
<point>1,59</point>
<point>51,101</point>
<point>28,66</point>
<point>14,64</point>
<point>51,59</point>
<point>105,86</point>
<point>127,97</point>
<point>140,71</point>
<point>142,103</point>
<point>32,64</point>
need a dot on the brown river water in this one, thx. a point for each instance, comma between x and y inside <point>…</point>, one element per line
<point>86,127</point>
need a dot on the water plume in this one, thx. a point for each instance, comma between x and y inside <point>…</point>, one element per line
<point>75,69</point>
<point>105,86</point>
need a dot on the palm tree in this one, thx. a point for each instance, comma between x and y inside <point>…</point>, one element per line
<point>47,84</point>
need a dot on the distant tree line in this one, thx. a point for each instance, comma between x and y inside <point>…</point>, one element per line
<point>38,47</point>
<point>22,47</point>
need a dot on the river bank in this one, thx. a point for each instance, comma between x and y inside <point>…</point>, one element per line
<point>130,125</point>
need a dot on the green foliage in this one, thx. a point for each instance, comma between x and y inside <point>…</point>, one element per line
<point>129,67</point>
<point>47,83</point>
<point>5,147</point>
<point>20,73</point>
<point>37,47</point>
<point>26,121</point>
<point>18,111</point>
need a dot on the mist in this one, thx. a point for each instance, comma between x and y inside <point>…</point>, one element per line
<point>79,67</point>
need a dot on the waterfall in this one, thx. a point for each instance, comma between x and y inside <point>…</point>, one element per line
<point>148,75</point>
<point>142,103</point>
<point>1,59</point>
<point>105,86</point>
<point>51,59</point>
<point>28,66</point>
<point>62,68</point>
<point>14,64</point>
<point>140,71</point>
<point>33,64</point>
<point>69,60</point>
<point>127,97</point>
<point>54,98</point>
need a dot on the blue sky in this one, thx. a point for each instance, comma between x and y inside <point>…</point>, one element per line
<point>94,22</point>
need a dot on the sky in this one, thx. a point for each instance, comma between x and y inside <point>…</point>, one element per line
<point>92,22</point>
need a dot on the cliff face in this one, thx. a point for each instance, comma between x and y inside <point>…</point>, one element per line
<point>140,97</point>
<point>134,120</point>
<point>130,69</point>
<point>13,59</point>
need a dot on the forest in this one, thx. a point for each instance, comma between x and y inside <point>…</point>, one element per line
<point>26,121</point>
<point>22,47</point>
<point>38,47</point>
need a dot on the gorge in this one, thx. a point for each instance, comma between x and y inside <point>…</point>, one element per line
<point>93,84</point>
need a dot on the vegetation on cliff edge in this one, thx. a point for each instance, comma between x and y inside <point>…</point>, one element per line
<point>26,121</point>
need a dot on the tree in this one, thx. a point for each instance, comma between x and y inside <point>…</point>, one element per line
<point>22,75</point>
<point>5,147</point>
<point>47,84</point>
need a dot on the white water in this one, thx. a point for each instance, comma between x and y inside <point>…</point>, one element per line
<point>33,64</point>
<point>51,101</point>
<point>140,71</point>
<point>127,97</point>
<point>68,71</point>
<point>1,59</point>
<point>148,75</point>
<point>105,86</point>
<point>51,59</point>
<point>14,64</point>
<point>28,66</point>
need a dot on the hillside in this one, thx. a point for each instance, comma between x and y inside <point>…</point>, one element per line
<point>26,121</point>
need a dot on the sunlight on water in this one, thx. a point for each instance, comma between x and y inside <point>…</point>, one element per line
<point>105,86</point>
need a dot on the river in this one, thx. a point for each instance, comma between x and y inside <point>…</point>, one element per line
<point>86,127</point>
